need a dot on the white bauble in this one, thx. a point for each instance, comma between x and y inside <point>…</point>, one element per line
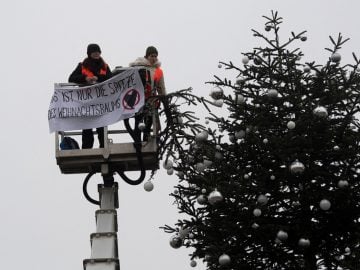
<point>218,155</point>
<point>239,99</point>
<point>257,212</point>
<point>167,164</point>
<point>201,199</point>
<point>245,60</point>
<point>320,111</point>
<point>272,93</point>
<point>218,103</point>
<point>335,57</point>
<point>141,126</point>
<point>262,199</point>
<point>272,177</point>
<point>224,259</point>
<point>200,167</point>
<point>282,235</point>
<point>325,204</point>
<point>207,163</point>
<point>240,134</point>
<point>290,125</point>
<point>265,141</point>
<point>303,242</point>
<point>297,167</point>
<point>176,241</point>
<point>216,93</point>
<point>201,136</point>
<point>215,197</point>
<point>343,183</point>
<point>148,186</point>
<point>203,191</point>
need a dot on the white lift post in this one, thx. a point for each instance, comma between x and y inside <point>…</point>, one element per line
<point>104,247</point>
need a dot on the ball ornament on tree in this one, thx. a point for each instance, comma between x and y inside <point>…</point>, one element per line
<point>217,93</point>
<point>245,60</point>
<point>224,259</point>
<point>218,103</point>
<point>141,126</point>
<point>303,38</point>
<point>272,93</point>
<point>335,57</point>
<point>304,242</point>
<point>267,28</point>
<point>239,99</point>
<point>297,167</point>
<point>282,235</point>
<point>320,112</point>
<point>148,186</point>
<point>170,171</point>
<point>290,125</point>
<point>201,199</point>
<point>201,136</point>
<point>176,241</point>
<point>257,212</point>
<point>215,197</point>
<point>262,199</point>
<point>167,164</point>
<point>193,263</point>
<point>343,184</point>
<point>325,204</point>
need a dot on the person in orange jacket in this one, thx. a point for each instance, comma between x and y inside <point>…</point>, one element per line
<point>92,70</point>
<point>151,62</point>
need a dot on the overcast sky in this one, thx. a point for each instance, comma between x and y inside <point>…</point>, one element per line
<point>45,222</point>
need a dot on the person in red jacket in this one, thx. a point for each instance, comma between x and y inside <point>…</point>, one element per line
<point>92,70</point>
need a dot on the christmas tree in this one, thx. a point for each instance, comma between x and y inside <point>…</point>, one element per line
<point>273,182</point>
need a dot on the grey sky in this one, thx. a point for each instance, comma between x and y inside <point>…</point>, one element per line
<point>45,222</point>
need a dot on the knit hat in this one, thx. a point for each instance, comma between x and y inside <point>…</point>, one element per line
<point>151,50</point>
<point>93,48</point>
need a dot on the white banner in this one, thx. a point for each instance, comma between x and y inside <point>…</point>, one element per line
<point>98,105</point>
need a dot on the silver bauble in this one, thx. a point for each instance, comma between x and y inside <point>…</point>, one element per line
<point>335,57</point>
<point>290,125</point>
<point>262,199</point>
<point>200,167</point>
<point>239,99</point>
<point>343,183</point>
<point>257,212</point>
<point>141,126</point>
<point>193,263</point>
<point>224,259</point>
<point>170,171</point>
<point>167,164</point>
<point>272,93</point>
<point>297,167</point>
<point>245,60</point>
<point>303,242</point>
<point>320,111</point>
<point>306,69</point>
<point>148,186</point>
<point>207,163</point>
<point>240,134</point>
<point>216,93</point>
<point>215,197</point>
<point>201,136</point>
<point>325,204</point>
<point>218,103</point>
<point>282,235</point>
<point>176,241</point>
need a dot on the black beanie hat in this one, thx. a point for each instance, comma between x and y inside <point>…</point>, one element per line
<point>93,48</point>
<point>150,50</point>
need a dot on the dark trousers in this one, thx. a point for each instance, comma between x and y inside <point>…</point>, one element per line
<point>88,138</point>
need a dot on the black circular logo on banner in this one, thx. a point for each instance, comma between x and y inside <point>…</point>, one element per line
<point>131,99</point>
